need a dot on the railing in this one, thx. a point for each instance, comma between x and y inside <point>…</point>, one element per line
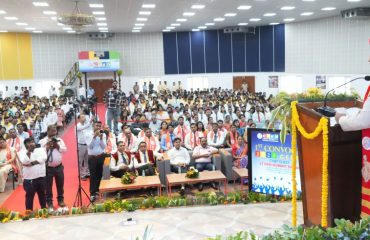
<point>71,75</point>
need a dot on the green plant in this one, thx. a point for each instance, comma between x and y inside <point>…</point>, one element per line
<point>212,198</point>
<point>146,235</point>
<point>162,202</point>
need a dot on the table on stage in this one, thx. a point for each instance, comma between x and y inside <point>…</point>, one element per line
<point>242,173</point>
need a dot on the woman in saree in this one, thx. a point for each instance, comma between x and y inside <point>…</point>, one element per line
<point>239,152</point>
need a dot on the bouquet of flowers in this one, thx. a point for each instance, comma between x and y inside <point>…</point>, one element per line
<point>128,178</point>
<point>192,173</point>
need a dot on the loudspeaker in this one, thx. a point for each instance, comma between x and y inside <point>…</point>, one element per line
<point>99,35</point>
<point>356,13</point>
<point>240,29</point>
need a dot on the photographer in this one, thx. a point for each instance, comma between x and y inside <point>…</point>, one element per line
<point>96,143</point>
<point>55,147</point>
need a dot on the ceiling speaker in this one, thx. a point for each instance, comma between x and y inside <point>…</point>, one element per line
<point>356,13</point>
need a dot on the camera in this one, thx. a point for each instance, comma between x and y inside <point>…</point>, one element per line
<point>55,140</point>
<point>101,131</point>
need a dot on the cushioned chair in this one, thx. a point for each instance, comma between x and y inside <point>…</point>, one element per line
<point>227,163</point>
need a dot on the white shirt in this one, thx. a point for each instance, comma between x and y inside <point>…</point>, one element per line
<point>155,126</point>
<point>359,121</point>
<point>95,146</point>
<point>66,107</point>
<point>37,170</point>
<point>81,131</point>
<point>179,156</point>
<point>81,91</point>
<point>115,166</point>
<point>219,141</point>
<point>218,116</point>
<point>261,117</point>
<point>199,150</point>
<point>56,158</point>
<point>51,118</point>
<point>150,142</point>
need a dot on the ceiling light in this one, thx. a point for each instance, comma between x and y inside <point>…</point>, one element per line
<point>202,27</point>
<point>307,14</point>
<point>101,24</point>
<point>195,30</point>
<point>308,0</point>
<point>54,18</point>
<point>197,6</point>
<point>139,24</point>
<point>49,12</point>
<point>2,12</point>
<point>98,13</point>
<point>181,20</point>
<point>145,13</point>
<point>170,28</point>
<point>101,19</point>
<point>96,5</point>
<point>67,28</point>
<point>37,31</point>
<point>269,14</point>
<point>135,31</point>
<point>40,4</point>
<point>175,24</point>
<point>244,7</point>
<point>354,0</point>
<point>11,18</point>
<point>274,23</point>
<point>219,19</point>
<point>328,8</point>
<point>287,8</point>
<point>210,24</point>
<point>148,6</point>
<point>255,19</point>
<point>60,24</point>
<point>137,28</point>
<point>166,30</point>
<point>103,29</point>
<point>230,15</point>
<point>71,31</point>
<point>242,24</point>
<point>188,14</point>
<point>21,24</point>
<point>3,31</point>
<point>141,19</point>
<point>289,19</point>
<point>30,28</point>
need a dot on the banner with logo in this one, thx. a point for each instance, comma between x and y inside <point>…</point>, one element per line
<point>99,61</point>
<point>270,163</point>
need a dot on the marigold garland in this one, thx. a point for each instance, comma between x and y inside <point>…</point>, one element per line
<point>321,127</point>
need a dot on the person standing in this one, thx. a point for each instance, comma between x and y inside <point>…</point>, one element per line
<point>151,87</point>
<point>136,88</point>
<point>112,99</point>
<point>55,147</point>
<point>83,126</point>
<point>145,88</point>
<point>34,171</point>
<point>96,143</point>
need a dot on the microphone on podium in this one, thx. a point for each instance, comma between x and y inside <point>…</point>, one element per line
<point>328,111</point>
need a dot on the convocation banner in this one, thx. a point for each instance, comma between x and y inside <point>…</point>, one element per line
<point>270,163</point>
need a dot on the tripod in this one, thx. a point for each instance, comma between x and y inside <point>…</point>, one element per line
<point>80,190</point>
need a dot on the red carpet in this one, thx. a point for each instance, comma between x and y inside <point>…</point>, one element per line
<point>16,201</point>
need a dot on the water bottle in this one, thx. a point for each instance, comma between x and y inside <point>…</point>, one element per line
<point>179,169</point>
<point>213,167</point>
<point>143,173</point>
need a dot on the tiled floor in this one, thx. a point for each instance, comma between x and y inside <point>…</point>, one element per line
<point>174,223</point>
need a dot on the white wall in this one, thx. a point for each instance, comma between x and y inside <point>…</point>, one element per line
<point>328,46</point>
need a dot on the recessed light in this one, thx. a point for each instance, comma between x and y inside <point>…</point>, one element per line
<point>67,28</point>
<point>71,31</point>
<point>96,5</point>
<point>230,15</point>
<point>274,23</point>
<point>328,8</point>
<point>98,12</point>
<point>139,24</point>
<point>244,7</point>
<point>287,8</point>
<point>289,19</point>
<point>135,31</point>
<point>166,30</point>
<point>137,28</point>
<point>308,0</point>
<point>307,14</point>
<point>21,24</point>
<point>181,20</point>
<point>11,18</point>
<point>144,13</point>
<point>255,19</point>
<point>242,24</point>
<point>103,29</point>
<point>269,14</point>
<point>54,18</point>
<point>141,19</point>
<point>210,24</point>
<point>195,30</point>
<point>30,28</point>
<point>2,12</point>
<point>3,31</point>
<point>170,28</point>
<point>60,24</point>
<point>188,14</point>
<point>37,31</point>
<point>49,12</point>
<point>219,19</point>
<point>101,19</point>
<point>175,24</point>
<point>198,6</point>
<point>354,0</point>
<point>101,24</point>
<point>202,27</point>
<point>40,4</point>
<point>148,6</point>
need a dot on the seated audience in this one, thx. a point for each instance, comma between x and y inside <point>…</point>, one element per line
<point>239,152</point>
<point>167,139</point>
<point>7,157</point>
<point>120,161</point>
<point>215,138</point>
<point>145,160</point>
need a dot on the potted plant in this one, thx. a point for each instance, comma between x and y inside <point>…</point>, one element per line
<point>79,76</point>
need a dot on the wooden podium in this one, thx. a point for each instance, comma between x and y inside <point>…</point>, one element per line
<point>345,163</point>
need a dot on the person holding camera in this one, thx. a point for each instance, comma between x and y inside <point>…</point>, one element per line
<point>96,144</point>
<point>55,147</point>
